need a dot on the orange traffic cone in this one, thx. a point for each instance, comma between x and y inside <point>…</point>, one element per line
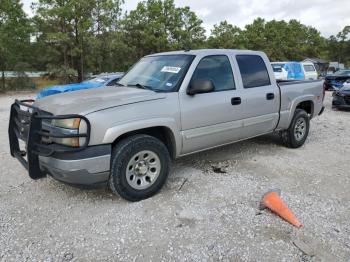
<point>272,201</point>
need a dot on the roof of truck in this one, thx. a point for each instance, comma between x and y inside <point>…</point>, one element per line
<point>207,52</point>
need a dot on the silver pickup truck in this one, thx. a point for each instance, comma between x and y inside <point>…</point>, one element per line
<point>167,106</point>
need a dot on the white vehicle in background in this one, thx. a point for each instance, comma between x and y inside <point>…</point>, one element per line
<point>309,71</point>
<point>334,67</point>
<point>347,84</point>
<point>279,71</point>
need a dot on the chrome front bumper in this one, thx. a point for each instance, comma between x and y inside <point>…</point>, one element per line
<point>87,167</point>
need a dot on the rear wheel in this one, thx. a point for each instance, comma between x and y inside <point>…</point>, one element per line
<point>298,130</point>
<point>140,166</point>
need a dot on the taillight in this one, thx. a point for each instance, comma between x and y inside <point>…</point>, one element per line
<point>324,90</point>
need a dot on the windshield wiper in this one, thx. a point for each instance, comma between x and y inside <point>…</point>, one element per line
<point>138,85</point>
<point>119,84</point>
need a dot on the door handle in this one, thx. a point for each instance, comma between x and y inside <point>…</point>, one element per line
<point>236,101</point>
<point>270,96</point>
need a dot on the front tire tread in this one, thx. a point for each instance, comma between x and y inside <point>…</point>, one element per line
<point>121,153</point>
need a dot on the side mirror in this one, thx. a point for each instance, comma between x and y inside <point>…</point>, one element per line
<point>200,86</point>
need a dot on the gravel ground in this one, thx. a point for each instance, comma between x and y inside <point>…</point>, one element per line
<point>200,215</point>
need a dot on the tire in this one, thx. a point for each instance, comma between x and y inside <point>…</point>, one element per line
<point>298,130</point>
<point>139,167</point>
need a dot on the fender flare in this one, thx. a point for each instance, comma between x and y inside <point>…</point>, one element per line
<point>120,129</point>
<point>296,102</point>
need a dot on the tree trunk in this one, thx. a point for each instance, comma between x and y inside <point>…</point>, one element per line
<point>65,58</point>
<point>81,66</point>
<point>3,79</point>
<point>81,71</point>
<point>79,59</point>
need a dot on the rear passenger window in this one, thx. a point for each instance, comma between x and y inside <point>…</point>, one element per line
<point>216,68</point>
<point>309,68</point>
<point>253,71</point>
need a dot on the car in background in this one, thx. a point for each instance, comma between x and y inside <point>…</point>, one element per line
<point>334,67</point>
<point>347,83</point>
<point>336,81</point>
<point>341,97</point>
<point>102,80</point>
<point>309,71</point>
<point>294,70</point>
<point>279,72</point>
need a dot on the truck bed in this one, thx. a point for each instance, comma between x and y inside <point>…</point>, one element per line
<point>295,91</point>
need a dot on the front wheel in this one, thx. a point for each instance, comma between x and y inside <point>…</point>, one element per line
<point>298,130</point>
<point>139,167</point>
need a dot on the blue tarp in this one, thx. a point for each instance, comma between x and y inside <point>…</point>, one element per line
<point>98,81</point>
<point>295,70</point>
<point>66,88</point>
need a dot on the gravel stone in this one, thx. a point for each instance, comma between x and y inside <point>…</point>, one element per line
<point>200,215</point>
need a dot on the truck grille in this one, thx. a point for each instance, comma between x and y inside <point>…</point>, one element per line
<point>31,125</point>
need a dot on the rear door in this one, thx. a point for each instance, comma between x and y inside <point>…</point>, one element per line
<point>260,94</point>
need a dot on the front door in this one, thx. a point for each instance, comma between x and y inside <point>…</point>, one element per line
<point>214,118</point>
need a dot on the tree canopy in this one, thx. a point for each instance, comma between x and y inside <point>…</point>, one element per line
<point>14,36</point>
<point>70,38</point>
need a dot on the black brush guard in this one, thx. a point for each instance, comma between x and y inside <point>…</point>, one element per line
<point>26,124</point>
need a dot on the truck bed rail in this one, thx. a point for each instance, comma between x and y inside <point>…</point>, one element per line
<point>296,81</point>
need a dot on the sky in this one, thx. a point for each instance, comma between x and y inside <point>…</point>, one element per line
<point>327,16</point>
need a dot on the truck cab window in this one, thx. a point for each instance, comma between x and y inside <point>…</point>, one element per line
<point>253,71</point>
<point>216,68</point>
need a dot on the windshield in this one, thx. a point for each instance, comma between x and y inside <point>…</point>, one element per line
<point>98,80</point>
<point>342,73</point>
<point>277,67</point>
<point>162,73</point>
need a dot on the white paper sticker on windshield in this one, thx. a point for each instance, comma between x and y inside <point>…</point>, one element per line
<point>171,69</point>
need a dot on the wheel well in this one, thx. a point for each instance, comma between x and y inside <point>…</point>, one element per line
<point>163,133</point>
<point>308,106</point>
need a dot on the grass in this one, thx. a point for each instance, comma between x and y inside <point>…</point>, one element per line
<point>41,83</point>
<point>38,84</point>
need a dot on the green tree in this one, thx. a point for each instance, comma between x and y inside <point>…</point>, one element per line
<point>283,41</point>
<point>76,30</point>
<point>14,35</point>
<point>106,36</point>
<point>156,26</point>
<point>186,30</point>
<point>338,47</point>
<point>225,35</point>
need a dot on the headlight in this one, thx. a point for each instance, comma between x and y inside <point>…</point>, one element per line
<point>74,126</point>
<point>69,123</point>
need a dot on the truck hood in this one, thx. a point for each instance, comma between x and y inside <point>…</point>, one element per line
<point>84,102</point>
